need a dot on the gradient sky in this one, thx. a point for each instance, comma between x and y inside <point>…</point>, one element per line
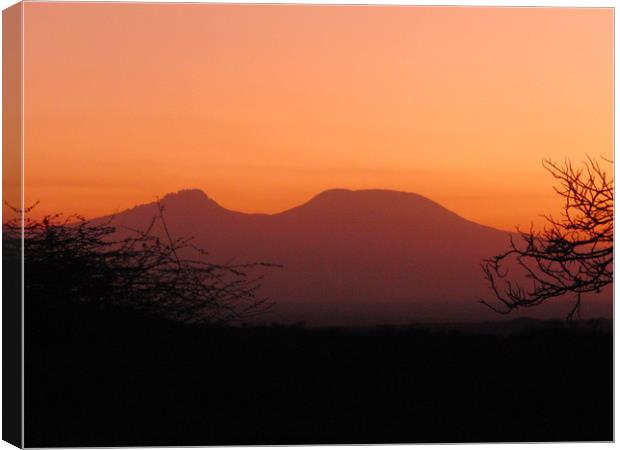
<point>263,107</point>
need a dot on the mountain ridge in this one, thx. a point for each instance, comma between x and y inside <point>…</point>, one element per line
<point>322,198</point>
<point>347,255</point>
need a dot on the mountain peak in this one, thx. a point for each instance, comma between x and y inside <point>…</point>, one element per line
<point>370,196</point>
<point>188,193</point>
<point>340,193</point>
<point>348,204</point>
<point>190,197</point>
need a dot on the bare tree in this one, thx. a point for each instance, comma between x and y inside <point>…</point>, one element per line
<point>74,261</point>
<point>571,255</point>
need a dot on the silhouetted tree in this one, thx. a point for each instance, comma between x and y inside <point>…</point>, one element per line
<point>571,255</point>
<point>72,261</point>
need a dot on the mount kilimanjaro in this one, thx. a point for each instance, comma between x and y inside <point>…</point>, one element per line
<point>354,257</point>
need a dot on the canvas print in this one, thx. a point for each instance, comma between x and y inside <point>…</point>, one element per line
<point>243,224</point>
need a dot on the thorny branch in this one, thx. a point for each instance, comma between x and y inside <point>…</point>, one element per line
<point>573,254</point>
<point>70,259</point>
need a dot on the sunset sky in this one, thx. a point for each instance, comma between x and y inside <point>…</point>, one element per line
<point>263,107</point>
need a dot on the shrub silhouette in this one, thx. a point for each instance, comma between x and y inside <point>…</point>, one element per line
<point>71,261</point>
<point>572,255</point>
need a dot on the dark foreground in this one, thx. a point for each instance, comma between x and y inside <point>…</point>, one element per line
<point>98,380</point>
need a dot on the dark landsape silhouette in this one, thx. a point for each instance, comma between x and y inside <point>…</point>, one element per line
<point>353,318</point>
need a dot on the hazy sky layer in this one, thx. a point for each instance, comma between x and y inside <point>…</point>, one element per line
<point>262,107</point>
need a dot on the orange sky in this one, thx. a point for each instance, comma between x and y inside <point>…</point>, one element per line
<point>264,106</point>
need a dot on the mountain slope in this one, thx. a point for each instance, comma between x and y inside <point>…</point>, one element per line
<point>349,256</point>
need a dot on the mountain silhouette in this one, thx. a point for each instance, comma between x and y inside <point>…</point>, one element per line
<point>352,257</point>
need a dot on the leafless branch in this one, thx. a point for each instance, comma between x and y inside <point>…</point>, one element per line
<point>573,254</point>
<point>70,259</point>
